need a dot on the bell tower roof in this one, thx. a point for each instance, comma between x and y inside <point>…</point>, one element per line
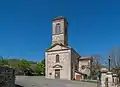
<point>60,18</point>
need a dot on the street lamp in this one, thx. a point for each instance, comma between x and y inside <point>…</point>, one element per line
<point>109,59</point>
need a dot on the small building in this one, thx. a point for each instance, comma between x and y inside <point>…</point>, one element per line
<point>85,66</point>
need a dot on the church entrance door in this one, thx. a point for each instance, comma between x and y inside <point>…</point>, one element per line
<point>57,73</point>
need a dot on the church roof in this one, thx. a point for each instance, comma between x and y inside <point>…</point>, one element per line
<point>76,52</point>
<point>80,73</point>
<point>70,48</point>
<point>59,45</point>
<point>85,58</point>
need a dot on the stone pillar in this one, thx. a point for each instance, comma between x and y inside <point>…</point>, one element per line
<point>115,80</point>
<point>110,79</point>
<point>103,77</point>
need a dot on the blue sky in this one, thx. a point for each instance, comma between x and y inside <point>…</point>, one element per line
<point>25,26</point>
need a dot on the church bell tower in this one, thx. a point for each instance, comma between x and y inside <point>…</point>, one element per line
<point>60,31</point>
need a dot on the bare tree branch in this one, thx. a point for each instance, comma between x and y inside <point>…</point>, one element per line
<point>115,57</point>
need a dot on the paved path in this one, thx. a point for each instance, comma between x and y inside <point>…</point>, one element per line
<point>38,81</point>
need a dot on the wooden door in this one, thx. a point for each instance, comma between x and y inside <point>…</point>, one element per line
<point>78,77</point>
<point>57,73</point>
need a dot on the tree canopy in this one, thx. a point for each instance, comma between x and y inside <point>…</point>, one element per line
<point>40,68</point>
<point>3,62</point>
<point>24,65</point>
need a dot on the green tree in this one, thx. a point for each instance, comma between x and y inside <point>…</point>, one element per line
<point>24,65</point>
<point>3,62</point>
<point>43,61</point>
<point>40,68</point>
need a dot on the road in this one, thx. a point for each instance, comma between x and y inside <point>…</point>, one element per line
<point>39,81</point>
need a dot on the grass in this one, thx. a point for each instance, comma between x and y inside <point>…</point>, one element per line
<point>91,81</point>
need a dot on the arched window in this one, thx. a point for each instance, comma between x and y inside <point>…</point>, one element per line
<point>57,59</point>
<point>57,28</point>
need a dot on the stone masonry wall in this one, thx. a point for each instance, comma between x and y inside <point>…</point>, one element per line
<point>65,58</point>
<point>7,77</point>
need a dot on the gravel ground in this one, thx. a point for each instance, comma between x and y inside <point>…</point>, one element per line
<point>39,81</point>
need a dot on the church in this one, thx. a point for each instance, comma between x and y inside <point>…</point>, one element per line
<point>61,60</point>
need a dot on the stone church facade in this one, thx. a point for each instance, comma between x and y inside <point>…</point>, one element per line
<point>61,60</point>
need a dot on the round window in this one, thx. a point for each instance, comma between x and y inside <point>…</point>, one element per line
<point>82,67</point>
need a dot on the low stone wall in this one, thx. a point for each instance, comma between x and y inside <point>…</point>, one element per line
<point>108,79</point>
<point>7,77</point>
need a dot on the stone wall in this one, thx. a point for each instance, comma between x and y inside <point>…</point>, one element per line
<point>65,58</point>
<point>74,63</point>
<point>7,77</point>
<point>108,79</point>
